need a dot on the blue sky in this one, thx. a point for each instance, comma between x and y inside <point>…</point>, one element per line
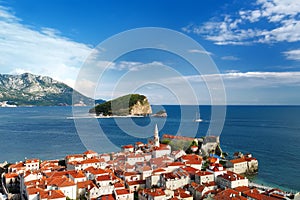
<point>255,44</point>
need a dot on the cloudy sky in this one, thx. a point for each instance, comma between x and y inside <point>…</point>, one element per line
<point>254,44</point>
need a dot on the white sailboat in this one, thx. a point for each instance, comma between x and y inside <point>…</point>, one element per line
<point>198,119</point>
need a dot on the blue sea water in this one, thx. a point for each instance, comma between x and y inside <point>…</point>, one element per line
<point>270,133</point>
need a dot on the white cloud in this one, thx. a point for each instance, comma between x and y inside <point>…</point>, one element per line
<point>230,58</point>
<point>134,66</point>
<point>200,51</point>
<point>37,50</point>
<point>292,54</point>
<point>282,17</point>
<point>252,79</point>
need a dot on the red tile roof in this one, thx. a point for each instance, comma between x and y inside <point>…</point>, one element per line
<point>158,171</point>
<point>119,185</point>
<point>11,175</point>
<point>254,194</point>
<point>229,194</point>
<point>85,184</point>
<point>17,165</point>
<point>76,174</point>
<point>60,181</point>
<point>74,156</point>
<point>138,182</point>
<point>95,171</point>
<point>155,192</point>
<point>238,160</point>
<point>106,197</point>
<point>104,178</point>
<point>209,184</point>
<point>90,152</point>
<point>174,164</point>
<point>54,194</point>
<point>92,160</point>
<point>203,173</point>
<point>231,176</point>
<point>242,188</point>
<point>51,194</point>
<point>191,170</point>
<point>122,191</point>
<point>128,146</point>
<point>32,161</point>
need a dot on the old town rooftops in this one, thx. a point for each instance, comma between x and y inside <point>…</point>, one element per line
<point>231,176</point>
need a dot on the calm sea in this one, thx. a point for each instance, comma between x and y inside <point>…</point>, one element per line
<point>270,133</point>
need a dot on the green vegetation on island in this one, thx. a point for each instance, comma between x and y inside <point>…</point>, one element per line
<point>131,104</point>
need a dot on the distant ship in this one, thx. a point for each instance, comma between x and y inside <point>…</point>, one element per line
<point>198,119</point>
<point>5,104</point>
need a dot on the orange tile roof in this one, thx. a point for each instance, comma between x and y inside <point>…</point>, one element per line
<point>92,160</point>
<point>60,181</point>
<point>193,162</point>
<point>203,173</point>
<point>212,159</point>
<point>90,152</point>
<point>200,188</point>
<point>231,176</point>
<point>229,194</point>
<point>74,156</point>
<point>122,191</point>
<point>209,184</point>
<point>156,192</point>
<point>135,156</point>
<point>85,184</point>
<point>51,194</point>
<point>32,161</point>
<point>95,171</point>
<point>119,185</point>
<point>11,175</point>
<point>34,190</point>
<point>138,182</point>
<point>158,171</point>
<point>104,178</point>
<point>106,197</point>
<point>17,165</point>
<point>55,194</point>
<point>242,188</point>
<point>127,146</point>
<point>56,174</point>
<point>191,157</point>
<point>179,164</point>
<point>76,174</point>
<point>254,194</point>
<point>50,163</point>
<point>139,143</point>
<point>238,160</point>
<point>130,173</point>
<point>184,195</point>
<point>34,183</point>
<point>146,168</point>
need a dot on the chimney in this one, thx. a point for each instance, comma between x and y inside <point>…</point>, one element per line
<point>50,192</point>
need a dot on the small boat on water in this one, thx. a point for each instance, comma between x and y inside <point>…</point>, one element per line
<point>198,119</point>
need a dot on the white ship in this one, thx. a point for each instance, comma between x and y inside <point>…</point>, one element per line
<point>198,119</point>
<point>4,104</point>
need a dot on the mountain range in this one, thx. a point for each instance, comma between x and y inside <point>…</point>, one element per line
<point>34,90</point>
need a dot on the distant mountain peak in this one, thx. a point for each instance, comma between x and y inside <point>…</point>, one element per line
<point>29,89</point>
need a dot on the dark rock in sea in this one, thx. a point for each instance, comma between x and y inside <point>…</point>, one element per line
<point>161,113</point>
